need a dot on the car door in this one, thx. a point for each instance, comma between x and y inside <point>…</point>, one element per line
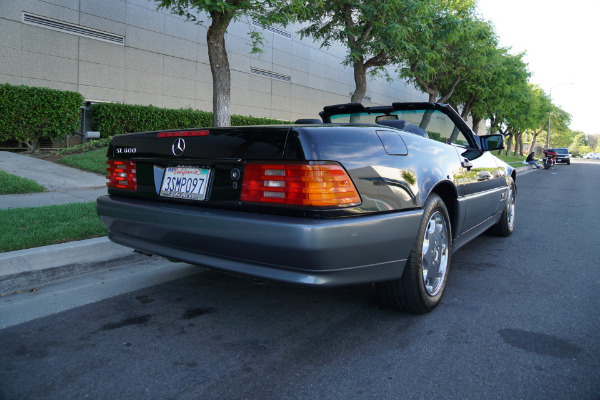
<point>480,184</point>
<point>483,186</point>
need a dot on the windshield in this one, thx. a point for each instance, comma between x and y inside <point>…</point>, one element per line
<point>561,151</point>
<point>437,124</point>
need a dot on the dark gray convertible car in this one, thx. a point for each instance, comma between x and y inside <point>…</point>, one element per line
<point>379,195</point>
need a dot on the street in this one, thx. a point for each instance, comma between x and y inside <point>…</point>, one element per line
<point>519,320</point>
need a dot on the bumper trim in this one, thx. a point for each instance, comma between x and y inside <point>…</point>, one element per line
<point>329,252</point>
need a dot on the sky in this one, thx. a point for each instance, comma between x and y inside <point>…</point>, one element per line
<point>562,41</point>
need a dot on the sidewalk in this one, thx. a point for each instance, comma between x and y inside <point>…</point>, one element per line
<point>63,184</point>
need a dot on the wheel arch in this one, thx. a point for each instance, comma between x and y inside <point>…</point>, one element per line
<point>447,191</point>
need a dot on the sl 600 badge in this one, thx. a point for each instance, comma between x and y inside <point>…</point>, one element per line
<point>126,150</point>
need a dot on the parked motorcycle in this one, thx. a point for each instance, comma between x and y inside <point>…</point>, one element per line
<point>549,159</point>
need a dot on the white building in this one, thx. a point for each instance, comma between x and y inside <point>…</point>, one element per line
<point>127,51</point>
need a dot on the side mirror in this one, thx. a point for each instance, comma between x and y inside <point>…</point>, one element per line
<point>492,142</point>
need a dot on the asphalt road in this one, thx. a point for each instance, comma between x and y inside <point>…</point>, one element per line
<point>519,320</point>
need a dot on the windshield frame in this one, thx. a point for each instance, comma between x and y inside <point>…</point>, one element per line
<point>330,112</point>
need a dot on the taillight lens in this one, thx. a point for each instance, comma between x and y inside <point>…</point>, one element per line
<point>315,184</point>
<point>121,175</point>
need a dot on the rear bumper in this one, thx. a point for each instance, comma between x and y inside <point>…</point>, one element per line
<point>329,252</point>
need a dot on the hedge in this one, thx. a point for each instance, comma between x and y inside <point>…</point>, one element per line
<point>115,118</point>
<point>28,114</point>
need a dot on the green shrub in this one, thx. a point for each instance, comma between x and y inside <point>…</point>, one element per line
<point>29,114</point>
<point>239,120</point>
<point>436,136</point>
<point>114,119</point>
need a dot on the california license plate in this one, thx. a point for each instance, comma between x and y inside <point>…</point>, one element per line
<point>185,183</point>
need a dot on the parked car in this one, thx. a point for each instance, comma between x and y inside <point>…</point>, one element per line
<point>379,195</point>
<point>563,155</point>
<point>592,156</point>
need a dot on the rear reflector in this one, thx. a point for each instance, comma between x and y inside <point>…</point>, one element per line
<point>316,184</point>
<point>183,133</point>
<point>121,175</point>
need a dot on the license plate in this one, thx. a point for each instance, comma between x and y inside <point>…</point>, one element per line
<point>185,183</point>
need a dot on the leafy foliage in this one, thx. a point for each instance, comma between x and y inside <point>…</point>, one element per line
<point>28,114</point>
<point>455,46</point>
<point>115,119</point>
<point>560,133</point>
<point>223,11</point>
<point>579,145</point>
<point>375,32</point>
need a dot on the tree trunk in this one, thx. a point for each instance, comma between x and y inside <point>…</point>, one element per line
<point>519,144</point>
<point>219,67</point>
<point>425,86</point>
<point>466,111</point>
<point>445,97</point>
<point>476,122</point>
<point>33,145</point>
<point>534,140</point>
<point>493,125</point>
<point>509,139</point>
<point>360,82</point>
<point>426,119</point>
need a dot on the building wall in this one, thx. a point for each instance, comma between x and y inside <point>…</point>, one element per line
<point>164,61</point>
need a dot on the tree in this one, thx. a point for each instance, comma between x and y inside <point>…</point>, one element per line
<point>580,144</point>
<point>437,62</point>
<point>221,13</point>
<point>489,93</point>
<point>501,94</point>
<point>478,84</point>
<point>560,133</point>
<point>456,60</point>
<point>593,141</point>
<point>375,32</point>
<point>539,109</point>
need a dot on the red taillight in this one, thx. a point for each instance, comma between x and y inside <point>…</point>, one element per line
<point>317,184</point>
<point>183,133</point>
<point>121,175</point>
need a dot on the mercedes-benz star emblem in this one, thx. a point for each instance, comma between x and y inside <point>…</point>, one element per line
<point>178,147</point>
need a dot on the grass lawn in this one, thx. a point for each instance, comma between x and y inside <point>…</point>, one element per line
<point>23,228</point>
<point>93,161</point>
<point>512,160</point>
<point>11,184</point>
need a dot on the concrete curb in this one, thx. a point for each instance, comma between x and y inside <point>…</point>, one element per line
<point>58,255</point>
<point>524,169</point>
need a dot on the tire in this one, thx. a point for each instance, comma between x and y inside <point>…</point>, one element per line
<point>423,281</point>
<point>569,162</point>
<point>506,225</point>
